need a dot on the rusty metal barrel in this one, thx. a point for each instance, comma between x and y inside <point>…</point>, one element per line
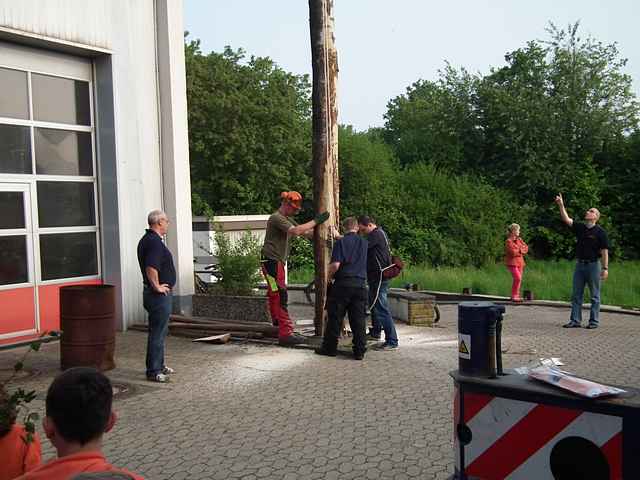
<point>87,320</point>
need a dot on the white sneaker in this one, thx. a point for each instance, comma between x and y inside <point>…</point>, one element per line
<point>159,377</point>
<point>167,370</point>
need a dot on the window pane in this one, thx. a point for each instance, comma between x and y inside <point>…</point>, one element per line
<point>11,210</point>
<point>15,149</point>
<point>13,260</point>
<point>65,204</point>
<point>60,100</point>
<point>14,99</point>
<point>67,255</point>
<point>62,152</point>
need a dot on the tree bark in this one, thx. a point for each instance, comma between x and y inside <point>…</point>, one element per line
<point>326,189</point>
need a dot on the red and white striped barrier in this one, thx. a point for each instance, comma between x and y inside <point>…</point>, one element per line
<point>502,434</point>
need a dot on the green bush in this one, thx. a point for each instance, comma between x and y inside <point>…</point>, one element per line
<point>238,263</point>
<point>454,220</point>
<point>300,254</point>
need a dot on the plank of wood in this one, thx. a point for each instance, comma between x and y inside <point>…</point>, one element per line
<point>208,320</point>
<point>268,330</point>
<point>214,338</point>
<point>207,333</point>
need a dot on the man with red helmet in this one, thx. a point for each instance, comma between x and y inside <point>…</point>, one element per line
<point>275,251</point>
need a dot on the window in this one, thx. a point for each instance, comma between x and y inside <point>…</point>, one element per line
<point>15,149</point>
<point>11,210</point>
<point>14,96</point>
<point>60,100</point>
<point>46,140</point>
<point>66,204</point>
<point>13,259</point>
<point>63,152</point>
<point>67,255</point>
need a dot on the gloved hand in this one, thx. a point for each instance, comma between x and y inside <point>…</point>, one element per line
<point>321,218</point>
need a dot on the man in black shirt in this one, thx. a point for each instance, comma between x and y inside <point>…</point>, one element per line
<point>378,257</point>
<point>159,277</point>
<point>347,294</point>
<point>592,265</point>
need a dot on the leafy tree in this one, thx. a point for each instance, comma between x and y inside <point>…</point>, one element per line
<point>549,120</point>
<point>369,177</point>
<point>547,116</point>
<point>455,220</point>
<point>249,131</point>
<point>622,172</point>
<point>436,122</point>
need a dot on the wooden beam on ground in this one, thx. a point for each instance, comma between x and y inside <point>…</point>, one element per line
<point>267,330</point>
<point>208,320</point>
<point>219,339</point>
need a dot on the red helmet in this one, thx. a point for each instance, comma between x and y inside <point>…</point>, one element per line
<point>292,198</point>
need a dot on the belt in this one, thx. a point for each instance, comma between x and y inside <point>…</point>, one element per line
<point>580,260</point>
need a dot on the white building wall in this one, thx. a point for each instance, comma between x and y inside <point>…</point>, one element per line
<point>137,142</point>
<point>126,29</point>
<point>88,22</point>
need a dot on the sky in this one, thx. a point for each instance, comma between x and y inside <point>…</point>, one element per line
<point>384,46</point>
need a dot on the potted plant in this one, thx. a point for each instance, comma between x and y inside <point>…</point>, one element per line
<point>14,402</point>
<point>234,296</point>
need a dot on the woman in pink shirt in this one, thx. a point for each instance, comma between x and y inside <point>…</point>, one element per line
<point>514,251</point>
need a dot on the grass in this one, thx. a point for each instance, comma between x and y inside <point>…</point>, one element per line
<point>548,280</point>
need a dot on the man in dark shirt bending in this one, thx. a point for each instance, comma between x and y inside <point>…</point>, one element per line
<point>378,257</point>
<point>348,292</point>
<point>592,263</point>
<point>159,277</point>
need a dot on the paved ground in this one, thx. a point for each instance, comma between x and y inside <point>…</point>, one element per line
<point>253,412</point>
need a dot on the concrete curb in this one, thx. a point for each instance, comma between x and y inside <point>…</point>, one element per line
<point>451,298</point>
<point>445,298</point>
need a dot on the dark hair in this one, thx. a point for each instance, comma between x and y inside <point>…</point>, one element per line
<point>79,404</point>
<point>8,413</point>
<point>365,220</point>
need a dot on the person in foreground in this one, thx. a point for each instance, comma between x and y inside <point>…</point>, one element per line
<point>275,251</point>
<point>17,456</point>
<point>592,263</point>
<point>159,277</point>
<point>514,251</point>
<point>378,257</point>
<point>78,413</point>
<point>348,292</point>
<point>103,476</point>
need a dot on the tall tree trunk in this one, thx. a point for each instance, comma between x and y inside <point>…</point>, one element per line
<point>326,189</point>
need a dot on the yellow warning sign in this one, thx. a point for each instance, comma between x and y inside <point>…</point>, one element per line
<point>464,346</point>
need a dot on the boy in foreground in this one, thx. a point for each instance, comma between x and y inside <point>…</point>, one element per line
<point>78,413</point>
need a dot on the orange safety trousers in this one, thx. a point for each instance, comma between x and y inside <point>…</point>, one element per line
<point>273,272</point>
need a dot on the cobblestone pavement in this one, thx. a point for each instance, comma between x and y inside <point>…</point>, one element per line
<point>264,412</point>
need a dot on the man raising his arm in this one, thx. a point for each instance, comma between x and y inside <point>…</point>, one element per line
<point>592,263</point>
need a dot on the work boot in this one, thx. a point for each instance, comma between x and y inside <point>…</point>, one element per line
<point>358,356</point>
<point>324,351</point>
<point>292,340</point>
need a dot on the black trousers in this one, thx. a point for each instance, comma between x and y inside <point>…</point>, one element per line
<point>346,300</point>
